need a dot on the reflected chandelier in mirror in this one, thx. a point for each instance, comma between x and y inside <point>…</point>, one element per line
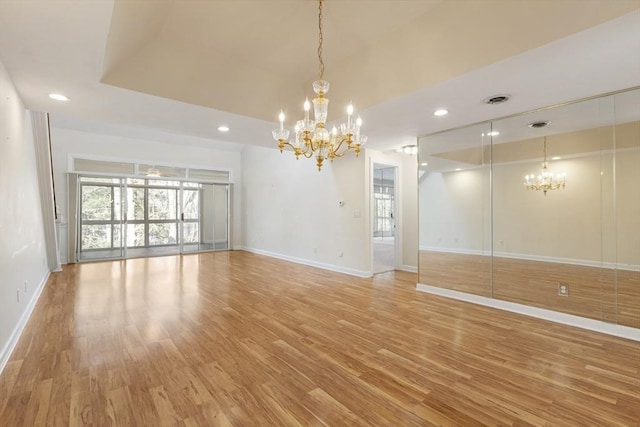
<point>545,180</point>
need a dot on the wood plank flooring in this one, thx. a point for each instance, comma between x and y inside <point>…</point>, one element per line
<point>238,339</point>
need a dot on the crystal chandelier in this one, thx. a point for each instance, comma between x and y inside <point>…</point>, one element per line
<point>311,136</point>
<point>545,180</point>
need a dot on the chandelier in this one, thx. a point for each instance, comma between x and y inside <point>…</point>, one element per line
<point>311,137</point>
<point>545,180</point>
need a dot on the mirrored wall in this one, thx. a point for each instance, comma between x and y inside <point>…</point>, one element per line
<point>541,209</point>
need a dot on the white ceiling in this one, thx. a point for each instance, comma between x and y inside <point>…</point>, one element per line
<point>165,68</point>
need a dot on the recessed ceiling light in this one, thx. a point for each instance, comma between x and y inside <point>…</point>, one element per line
<point>424,164</point>
<point>58,97</point>
<point>496,99</point>
<point>493,133</point>
<point>556,158</point>
<point>223,128</point>
<point>440,112</point>
<point>458,169</point>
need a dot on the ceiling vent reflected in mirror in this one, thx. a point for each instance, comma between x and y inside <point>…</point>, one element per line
<point>538,125</point>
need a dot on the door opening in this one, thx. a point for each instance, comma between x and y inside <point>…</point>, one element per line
<point>384,220</point>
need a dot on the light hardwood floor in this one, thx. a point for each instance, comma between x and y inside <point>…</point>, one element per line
<point>233,338</point>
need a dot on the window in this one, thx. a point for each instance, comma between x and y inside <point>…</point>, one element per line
<point>117,214</point>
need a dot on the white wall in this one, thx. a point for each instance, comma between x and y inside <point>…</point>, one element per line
<point>220,213</point>
<point>22,248</point>
<point>291,210</point>
<point>66,141</point>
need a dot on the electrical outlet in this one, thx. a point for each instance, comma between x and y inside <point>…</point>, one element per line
<point>563,289</point>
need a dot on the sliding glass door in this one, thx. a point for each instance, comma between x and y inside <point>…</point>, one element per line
<point>205,209</point>
<point>101,225</point>
<point>137,217</point>
<point>191,218</point>
<point>152,217</point>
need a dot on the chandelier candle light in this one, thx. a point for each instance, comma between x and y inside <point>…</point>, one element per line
<point>311,136</point>
<point>545,180</point>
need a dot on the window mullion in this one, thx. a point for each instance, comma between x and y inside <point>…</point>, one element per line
<point>146,216</point>
<point>112,213</point>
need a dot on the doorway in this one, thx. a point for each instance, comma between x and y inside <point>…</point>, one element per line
<point>384,218</point>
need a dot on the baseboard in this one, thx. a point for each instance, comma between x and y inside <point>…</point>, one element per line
<point>213,242</point>
<point>409,268</point>
<point>540,313</point>
<point>15,336</point>
<point>311,263</point>
<point>455,250</point>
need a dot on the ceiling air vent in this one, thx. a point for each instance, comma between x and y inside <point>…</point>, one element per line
<point>496,99</point>
<point>538,125</point>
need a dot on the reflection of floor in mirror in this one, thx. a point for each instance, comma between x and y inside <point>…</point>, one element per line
<point>612,295</point>
<point>383,254</point>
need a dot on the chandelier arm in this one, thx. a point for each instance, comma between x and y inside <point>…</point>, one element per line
<point>312,146</point>
<point>335,154</point>
<point>345,151</point>
<point>307,151</point>
<point>285,143</point>
<point>339,145</point>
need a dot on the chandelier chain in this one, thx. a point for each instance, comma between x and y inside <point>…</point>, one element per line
<point>320,39</point>
<point>544,149</point>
